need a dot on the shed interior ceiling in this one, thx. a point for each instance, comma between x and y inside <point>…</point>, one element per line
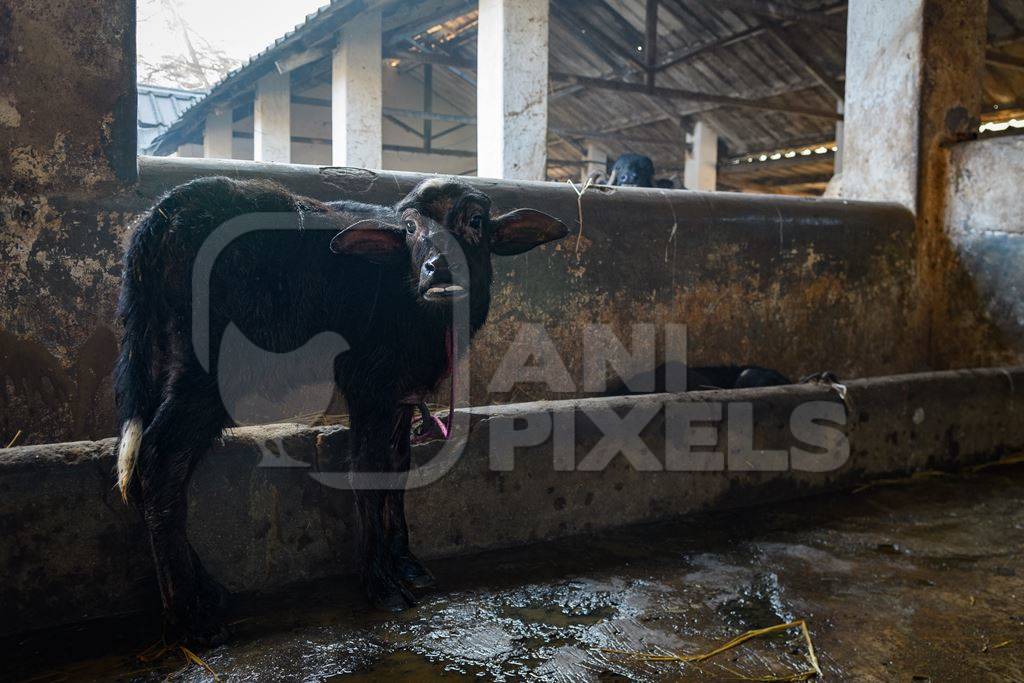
<point>777,56</point>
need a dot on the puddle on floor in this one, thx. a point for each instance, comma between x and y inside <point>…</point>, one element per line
<point>919,581</point>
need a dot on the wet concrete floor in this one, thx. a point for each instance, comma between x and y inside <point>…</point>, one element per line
<point>915,581</point>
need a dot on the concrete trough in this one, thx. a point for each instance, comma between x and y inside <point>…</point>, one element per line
<point>72,551</point>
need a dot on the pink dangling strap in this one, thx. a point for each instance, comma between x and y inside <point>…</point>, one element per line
<point>428,427</point>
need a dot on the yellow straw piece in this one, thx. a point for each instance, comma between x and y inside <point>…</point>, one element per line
<point>815,669</point>
<point>195,659</point>
<point>14,439</point>
<point>579,206</point>
<point>1007,460</point>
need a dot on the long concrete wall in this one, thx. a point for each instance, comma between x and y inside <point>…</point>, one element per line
<point>73,551</point>
<point>800,285</point>
<point>796,284</point>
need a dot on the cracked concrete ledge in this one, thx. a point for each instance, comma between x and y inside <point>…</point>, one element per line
<point>72,551</point>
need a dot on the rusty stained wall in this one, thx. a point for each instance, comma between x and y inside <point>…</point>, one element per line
<point>964,332</point>
<point>67,154</point>
<point>985,220</point>
<point>917,66</point>
<point>797,294</point>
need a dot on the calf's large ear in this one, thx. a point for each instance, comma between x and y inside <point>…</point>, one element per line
<point>373,240</point>
<point>523,229</point>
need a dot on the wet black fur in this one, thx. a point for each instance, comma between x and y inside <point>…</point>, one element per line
<point>280,287</point>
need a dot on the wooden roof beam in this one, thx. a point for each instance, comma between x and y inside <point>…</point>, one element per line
<point>1004,60</point>
<point>695,51</point>
<point>584,34</point>
<point>432,58</point>
<point>774,11</point>
<point>651,40</point>
<point>690,53</point>
<point>463,119</point>
<point>804,179</point>
<point>1016,31</point>
<point>411,19</point>
<point>572,19</point>
<point>679,94</point>
<point>800,55</point>
<point>634,37</point>
<point>582,23</point>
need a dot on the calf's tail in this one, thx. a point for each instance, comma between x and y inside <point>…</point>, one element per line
<point>135,381</point>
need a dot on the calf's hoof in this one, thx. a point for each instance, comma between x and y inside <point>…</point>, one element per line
<point>413,573</point>
<point>205,624</point>
<point>208,634</point>
<point>388,594</point>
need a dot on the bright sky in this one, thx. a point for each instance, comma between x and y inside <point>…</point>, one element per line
<point>239,28</point>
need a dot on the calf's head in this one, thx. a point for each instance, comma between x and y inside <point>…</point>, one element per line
<point>632,170</point>
<point>445,231</point>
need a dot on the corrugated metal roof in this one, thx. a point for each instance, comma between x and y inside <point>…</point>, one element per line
<point>261,62</point>
<point>160,107</point>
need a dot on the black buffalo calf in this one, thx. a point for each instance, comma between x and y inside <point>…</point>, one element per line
<point>632,170</point>
<point>707,377</point>
<point>384,278</point>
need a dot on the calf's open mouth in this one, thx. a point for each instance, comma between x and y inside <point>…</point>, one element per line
<point>445,293</point>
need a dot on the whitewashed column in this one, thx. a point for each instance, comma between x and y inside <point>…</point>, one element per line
<point>596,161</point>
<point>272,120</point>
<point>512,89</point>
<point>217,135</point>
<point>701,169</point>
<point>883,96</point>
<point>356,100</point>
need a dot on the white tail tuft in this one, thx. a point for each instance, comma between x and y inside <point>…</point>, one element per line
<point>127,454</point>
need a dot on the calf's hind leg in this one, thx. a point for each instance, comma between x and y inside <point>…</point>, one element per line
<point>182,429</point>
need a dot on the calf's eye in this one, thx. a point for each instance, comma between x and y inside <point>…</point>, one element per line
<point>476,222</point>
<point>410,226</point>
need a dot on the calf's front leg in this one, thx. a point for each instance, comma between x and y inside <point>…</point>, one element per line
<point>371,447</point>
<point>409,569</point>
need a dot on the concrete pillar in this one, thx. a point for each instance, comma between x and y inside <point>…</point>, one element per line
<point>889,75</point>
<point>701,169</point>
<point>272,120</point>
<point>913,83</point>
<point>217,135</point>
<point>596,161</point>
<point>356,101</point>
<point>512,89</point>
<point>883,94</point>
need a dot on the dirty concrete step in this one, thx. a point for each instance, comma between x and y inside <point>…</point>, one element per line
<point>263,511</point>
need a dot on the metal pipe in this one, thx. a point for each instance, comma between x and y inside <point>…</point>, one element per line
<point>839,228</point>
<point>439,151</point>
<point>555,130</point>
